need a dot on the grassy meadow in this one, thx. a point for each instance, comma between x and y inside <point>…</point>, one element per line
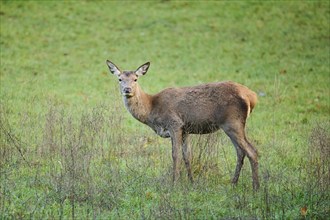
<point>70,150</point>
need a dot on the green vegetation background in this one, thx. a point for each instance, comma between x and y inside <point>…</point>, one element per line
<point>69,149</point>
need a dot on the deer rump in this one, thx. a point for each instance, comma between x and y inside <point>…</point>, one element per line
<point>200,109</point>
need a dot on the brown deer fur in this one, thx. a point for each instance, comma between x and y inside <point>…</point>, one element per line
<point>177,112</point>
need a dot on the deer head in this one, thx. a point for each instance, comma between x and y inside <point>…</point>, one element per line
<point>128,79</point>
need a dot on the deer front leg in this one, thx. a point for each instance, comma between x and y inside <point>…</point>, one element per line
<point>186,153</point>
<point>176,138</point>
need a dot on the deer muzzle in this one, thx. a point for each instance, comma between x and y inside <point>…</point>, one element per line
<point>127,91</point>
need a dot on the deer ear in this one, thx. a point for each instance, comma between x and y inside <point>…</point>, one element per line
<point>142,69</point>
<point>113,68</point>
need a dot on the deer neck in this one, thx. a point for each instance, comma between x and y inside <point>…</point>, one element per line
<point>139,105</point>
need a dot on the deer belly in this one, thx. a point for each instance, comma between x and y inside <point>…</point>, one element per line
<point>200,128</point>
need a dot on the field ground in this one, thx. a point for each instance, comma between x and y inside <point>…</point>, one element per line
<point>69,149</point>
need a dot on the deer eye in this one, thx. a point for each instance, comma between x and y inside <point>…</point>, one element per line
<point>135,80</point>
<point>119,80</point>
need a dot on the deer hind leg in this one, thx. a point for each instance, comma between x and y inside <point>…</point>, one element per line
<point>186,153</point>
<point>240,160</point>
<point>243,147</point>
<point>254,166</point>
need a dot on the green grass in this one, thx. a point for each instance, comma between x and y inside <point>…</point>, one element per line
<point>69,149</point>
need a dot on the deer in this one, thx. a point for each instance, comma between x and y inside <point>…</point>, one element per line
<point>177,113</point>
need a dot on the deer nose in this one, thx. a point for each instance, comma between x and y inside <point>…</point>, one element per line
<point>127,90</point>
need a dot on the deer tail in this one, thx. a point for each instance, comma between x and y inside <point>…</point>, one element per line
<point>252,101</point>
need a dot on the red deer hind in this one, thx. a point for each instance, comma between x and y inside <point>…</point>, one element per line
<point>177,112</point>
